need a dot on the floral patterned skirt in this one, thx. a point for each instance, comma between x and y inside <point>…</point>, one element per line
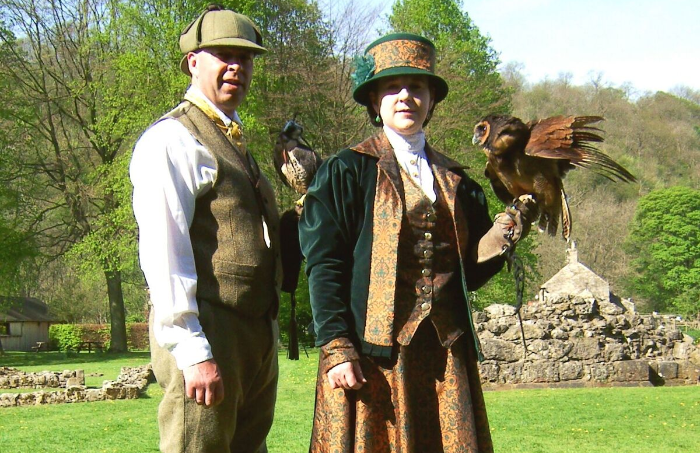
<point>426,400</point>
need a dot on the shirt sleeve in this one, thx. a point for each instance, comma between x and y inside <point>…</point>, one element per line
<point>169,170</point>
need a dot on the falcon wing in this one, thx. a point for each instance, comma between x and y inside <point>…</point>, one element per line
<point>572,139</point>
<point>301,168</point>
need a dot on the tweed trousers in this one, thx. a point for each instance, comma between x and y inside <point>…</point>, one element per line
<point>245,348</point>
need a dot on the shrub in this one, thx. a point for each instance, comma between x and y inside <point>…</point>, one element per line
<point>137,336</point>
<point>65,337</point>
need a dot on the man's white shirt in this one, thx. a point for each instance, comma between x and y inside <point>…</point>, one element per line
<point>169,170</point>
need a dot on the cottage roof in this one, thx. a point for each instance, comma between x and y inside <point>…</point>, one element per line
<point>575,278</point>
<point>23,309</point>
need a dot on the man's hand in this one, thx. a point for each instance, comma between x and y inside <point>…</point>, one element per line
<point>347,375</point>
<point>203,383</point>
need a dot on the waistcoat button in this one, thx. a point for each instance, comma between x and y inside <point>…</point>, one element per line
<point>428,235</point>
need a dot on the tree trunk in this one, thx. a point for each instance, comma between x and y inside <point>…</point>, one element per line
<point>2,350</point>
<point>116,312</point>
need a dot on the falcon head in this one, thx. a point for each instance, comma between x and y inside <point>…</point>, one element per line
<point>295,161</point>
<point>292,130</point>
<point>501,134</point>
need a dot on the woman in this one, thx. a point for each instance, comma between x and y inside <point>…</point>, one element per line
<point>395,234</point>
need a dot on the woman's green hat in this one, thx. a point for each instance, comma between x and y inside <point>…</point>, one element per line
<point>219,27</point>
<point>395,55</point>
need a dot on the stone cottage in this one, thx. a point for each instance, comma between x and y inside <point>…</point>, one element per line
<point>574,279</point>
<point>578,334</point>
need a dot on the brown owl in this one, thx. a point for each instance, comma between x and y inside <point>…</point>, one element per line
<point>531,159</point>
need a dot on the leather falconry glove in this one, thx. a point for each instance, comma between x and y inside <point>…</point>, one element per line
<point>508,228</point>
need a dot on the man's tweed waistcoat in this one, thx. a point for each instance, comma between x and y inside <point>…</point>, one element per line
<point>234,266</point>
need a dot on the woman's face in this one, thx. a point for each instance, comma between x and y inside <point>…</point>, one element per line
<point>403,102</point>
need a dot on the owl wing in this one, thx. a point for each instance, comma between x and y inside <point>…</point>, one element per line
<point>497,184</point>
<point>572,140</point>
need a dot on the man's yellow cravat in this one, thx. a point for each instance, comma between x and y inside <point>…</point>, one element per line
<point>233,130</point>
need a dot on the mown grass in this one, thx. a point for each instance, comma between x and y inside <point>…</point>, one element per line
<point>595,420</point>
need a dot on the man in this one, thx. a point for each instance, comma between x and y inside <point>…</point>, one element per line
<point>208,227</point>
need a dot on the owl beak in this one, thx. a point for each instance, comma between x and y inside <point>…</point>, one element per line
<point>475,140</point>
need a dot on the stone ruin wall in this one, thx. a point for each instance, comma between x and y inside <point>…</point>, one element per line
<point>578,341</point>
<point>130,384</point>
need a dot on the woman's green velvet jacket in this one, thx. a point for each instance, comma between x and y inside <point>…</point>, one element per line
<point>336,231</point>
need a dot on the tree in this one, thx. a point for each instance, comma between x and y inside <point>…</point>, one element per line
<point>665,241</point>
<point>80,85</point>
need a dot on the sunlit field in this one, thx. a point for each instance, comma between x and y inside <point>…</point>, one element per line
<point>591,420</point>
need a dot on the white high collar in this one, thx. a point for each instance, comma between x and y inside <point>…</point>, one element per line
<point>411,143</point>
<point>410,154</point>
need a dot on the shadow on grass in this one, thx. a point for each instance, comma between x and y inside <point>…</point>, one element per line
<point>23,359</point>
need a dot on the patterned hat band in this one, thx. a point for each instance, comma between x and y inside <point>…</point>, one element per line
<point>396,54</point>
<point>403,53</point>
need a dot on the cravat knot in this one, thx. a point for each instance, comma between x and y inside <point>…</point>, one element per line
<point>233,130</point>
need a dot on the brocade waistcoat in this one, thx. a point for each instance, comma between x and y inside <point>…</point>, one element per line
<point>428,272</point>
<point>235,267</point>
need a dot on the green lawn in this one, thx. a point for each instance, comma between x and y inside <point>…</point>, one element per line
<point>601,420</point>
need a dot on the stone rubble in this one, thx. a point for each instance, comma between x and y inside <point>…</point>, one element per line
<point>130,384</point>
<point>576,341</point>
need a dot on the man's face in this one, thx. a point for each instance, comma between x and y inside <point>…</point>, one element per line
<point>223,74</point>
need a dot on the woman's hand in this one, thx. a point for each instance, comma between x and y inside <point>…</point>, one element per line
<point>347,375</point>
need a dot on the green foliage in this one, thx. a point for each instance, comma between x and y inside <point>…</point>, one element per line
<point>65,337</point>
<point>303,314</point>
<point>666,242</point>
<point>111,244</point>
<point>15,250</point>
<point>501,289</point>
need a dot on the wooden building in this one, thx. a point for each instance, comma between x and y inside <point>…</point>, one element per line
<point>24,322</point>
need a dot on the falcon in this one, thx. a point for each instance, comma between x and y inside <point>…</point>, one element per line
<point>532,159</point>
<point>296,163</point>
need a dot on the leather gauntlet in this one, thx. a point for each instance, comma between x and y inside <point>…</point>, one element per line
<point>508,228</point>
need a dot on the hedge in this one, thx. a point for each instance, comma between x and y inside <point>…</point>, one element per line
<point>64,337</point>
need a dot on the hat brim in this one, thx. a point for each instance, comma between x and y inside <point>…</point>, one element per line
<point>224,42</point>
<point>361,93</point>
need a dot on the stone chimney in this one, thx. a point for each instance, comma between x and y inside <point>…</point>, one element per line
<point>572,254</point>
